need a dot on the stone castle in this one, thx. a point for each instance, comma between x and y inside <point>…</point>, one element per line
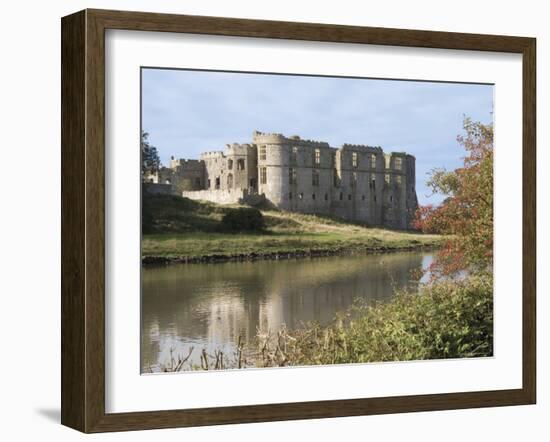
<point>354,182</point>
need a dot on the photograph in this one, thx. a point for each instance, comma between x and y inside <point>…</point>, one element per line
<point>292,220</point>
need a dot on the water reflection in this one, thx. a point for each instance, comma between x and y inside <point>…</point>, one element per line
<point>211,305</point>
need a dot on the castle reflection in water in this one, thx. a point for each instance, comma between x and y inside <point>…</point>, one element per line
<point>211,305</point>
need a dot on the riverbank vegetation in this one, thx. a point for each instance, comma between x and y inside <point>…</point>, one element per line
<point>443,320</point>
<point>182,229</point>
<point>448,319</point>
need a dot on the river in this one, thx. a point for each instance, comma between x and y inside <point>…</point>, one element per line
<point>211,305</point>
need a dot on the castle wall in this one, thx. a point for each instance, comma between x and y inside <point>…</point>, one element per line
<point>236,168</point>
<point>235,196</point>
<point>355,182</point>
<point>157,189</point>
<point>187,174</point>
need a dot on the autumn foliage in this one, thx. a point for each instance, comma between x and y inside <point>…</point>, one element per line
<point>467,212</point>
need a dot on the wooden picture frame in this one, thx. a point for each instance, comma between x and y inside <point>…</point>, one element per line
<point>83,220</point>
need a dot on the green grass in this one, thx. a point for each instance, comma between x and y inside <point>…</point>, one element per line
<point>182,227</point>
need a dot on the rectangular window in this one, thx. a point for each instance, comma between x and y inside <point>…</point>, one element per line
<point>317,156</point>
<point>263,154</point>
<point>230,164</point>
<point>373,161</point>
<point>373,182</point>
<point>387,178</point>
<point>292,176</point>
<point>313,196</point>
<point>326,196</point>
<point>398,180</point>
<point>263,175</point>
<point>240,164</point>
<point>315,177</point>
<point>289,195</point>
<point>353,179</point>
<point>354,159</point>
<point>335,178</point>
<point>294,154</point>
<point>398,163</point>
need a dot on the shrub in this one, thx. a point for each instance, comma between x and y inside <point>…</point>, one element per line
<point>445,320</point>
<point>243,219</point>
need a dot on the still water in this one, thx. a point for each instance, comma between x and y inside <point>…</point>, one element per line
<point>211,305</point>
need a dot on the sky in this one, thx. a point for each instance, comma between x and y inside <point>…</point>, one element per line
<point>189,112</point>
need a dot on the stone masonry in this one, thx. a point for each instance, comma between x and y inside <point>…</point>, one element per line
<point>357,183</point>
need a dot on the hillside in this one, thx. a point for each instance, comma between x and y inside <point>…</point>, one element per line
<point>181,229</point>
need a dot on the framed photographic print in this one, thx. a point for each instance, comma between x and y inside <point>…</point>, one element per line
<point>271,220</point>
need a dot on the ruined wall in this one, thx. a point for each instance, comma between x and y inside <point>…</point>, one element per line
<point>187,174</point>
<point>358,193</point>
<point>399,200</point>
<point>294,174</point>
<point>234,196</point>
<point>235,168</point>
<point>355,182</point>
<point>157,189</point>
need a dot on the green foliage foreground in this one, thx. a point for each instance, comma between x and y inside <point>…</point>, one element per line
<point>450,319</point>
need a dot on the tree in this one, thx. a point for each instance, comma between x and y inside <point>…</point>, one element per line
<point>467,212</point>
<point>150,161</point>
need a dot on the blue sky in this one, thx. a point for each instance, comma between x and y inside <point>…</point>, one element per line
<point>188,112</point>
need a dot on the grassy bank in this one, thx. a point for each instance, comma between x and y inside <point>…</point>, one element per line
<point>444,320</point>
<point>179,227</point>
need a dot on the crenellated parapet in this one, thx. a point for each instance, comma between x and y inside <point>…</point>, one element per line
<point>268,138</point>
<point>361,148</point>
<point>277,138</point>
<point>185,164</point>
<point>238,149</point>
